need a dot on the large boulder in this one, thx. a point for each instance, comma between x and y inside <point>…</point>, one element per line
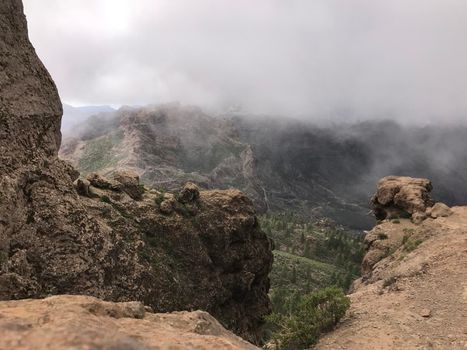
<point>101,242</point>
<point>439,210</point>
<point>129,181</point>
<point>401,196</point>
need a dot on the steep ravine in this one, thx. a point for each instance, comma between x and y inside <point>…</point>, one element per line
<point>115,240</point>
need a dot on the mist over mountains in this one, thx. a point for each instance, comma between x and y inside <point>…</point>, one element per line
<point>400,59</point>
<point>73,116</point>
<point>283,164</point>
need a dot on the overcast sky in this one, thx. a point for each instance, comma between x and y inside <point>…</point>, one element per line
<point>405,59</point>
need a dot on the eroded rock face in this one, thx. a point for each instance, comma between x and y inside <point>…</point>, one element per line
<point>208,255</point>
<point>401,196</point>
<point>50,324</point>
<point>399,199</point>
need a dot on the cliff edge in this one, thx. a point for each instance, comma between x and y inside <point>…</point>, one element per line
<point>51,324</point>
<point>413,293</point>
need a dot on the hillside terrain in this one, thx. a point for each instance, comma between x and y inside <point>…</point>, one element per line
<point>282,164</point>
<point>413,292</point>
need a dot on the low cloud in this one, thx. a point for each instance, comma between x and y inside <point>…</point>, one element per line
<point>361,59</point>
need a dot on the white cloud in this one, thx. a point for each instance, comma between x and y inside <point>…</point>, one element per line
<point>400,58</point>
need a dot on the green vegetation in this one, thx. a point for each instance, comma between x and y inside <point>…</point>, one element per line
<point>314,262</point>
<point>307,317</point>
<point>99,153</point>
<point>411,244</point>
<point>321,253</point>
<point>105,199</point>
<point>160,198</point>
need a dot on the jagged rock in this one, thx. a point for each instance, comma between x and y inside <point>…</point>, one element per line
<point>400,196</point>
<point>130,183</point>
<point>51,324</point>
<point>189,193</point>
<point>418,217</point>
<point>101,182</point>
<point>166,207</point>
<point>53,241</point>
<point>82,187</point>
<point>440,210</point>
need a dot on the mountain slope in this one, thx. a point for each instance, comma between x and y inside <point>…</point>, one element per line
<point>282,164</point>
<point>413,294</point>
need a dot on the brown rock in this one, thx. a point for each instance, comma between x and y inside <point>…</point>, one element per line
<point>189,193</point>
<point>166,207</point>
<point>129,181</point>
<point>440,210</point>
<point>425,313</point>
<point>82,187</point>
<point>400,196</point>
<point>52,324</point>
<point>101,182</point>
<point>418,217</point>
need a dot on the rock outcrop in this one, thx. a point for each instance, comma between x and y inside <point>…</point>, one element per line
<point>109,238</point>
<point>401,196</point>
<point>52,324</point>
<point>413,292</point>
<point>406,197</point>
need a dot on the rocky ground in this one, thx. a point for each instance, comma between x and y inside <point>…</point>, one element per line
<point>413,293</point>
<point>78,322</point>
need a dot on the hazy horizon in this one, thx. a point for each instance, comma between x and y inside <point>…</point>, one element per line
<point>399,60</point>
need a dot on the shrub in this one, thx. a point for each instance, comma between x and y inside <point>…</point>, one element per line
<point>412,244</point>
<point>105,199</point>
<point>160,198</point>
<point>314,314</point>
<point>382,235</point>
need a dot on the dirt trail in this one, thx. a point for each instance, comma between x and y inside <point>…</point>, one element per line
<point>416,297</point>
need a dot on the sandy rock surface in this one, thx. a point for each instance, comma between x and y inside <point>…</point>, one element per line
<point>78,322</point>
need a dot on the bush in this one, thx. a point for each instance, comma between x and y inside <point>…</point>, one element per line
<point>313,315</point>
<point>105,199</point>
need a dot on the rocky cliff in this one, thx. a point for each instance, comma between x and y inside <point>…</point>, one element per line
<point>413,292</point>
<point>167,145</point>
<point>112,238</point>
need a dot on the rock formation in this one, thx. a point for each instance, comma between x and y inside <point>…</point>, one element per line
<point>112,240</point>
<point>167,145</point>
<point>406,197</point>
<point>51,324</point>
<point>413,292</point>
